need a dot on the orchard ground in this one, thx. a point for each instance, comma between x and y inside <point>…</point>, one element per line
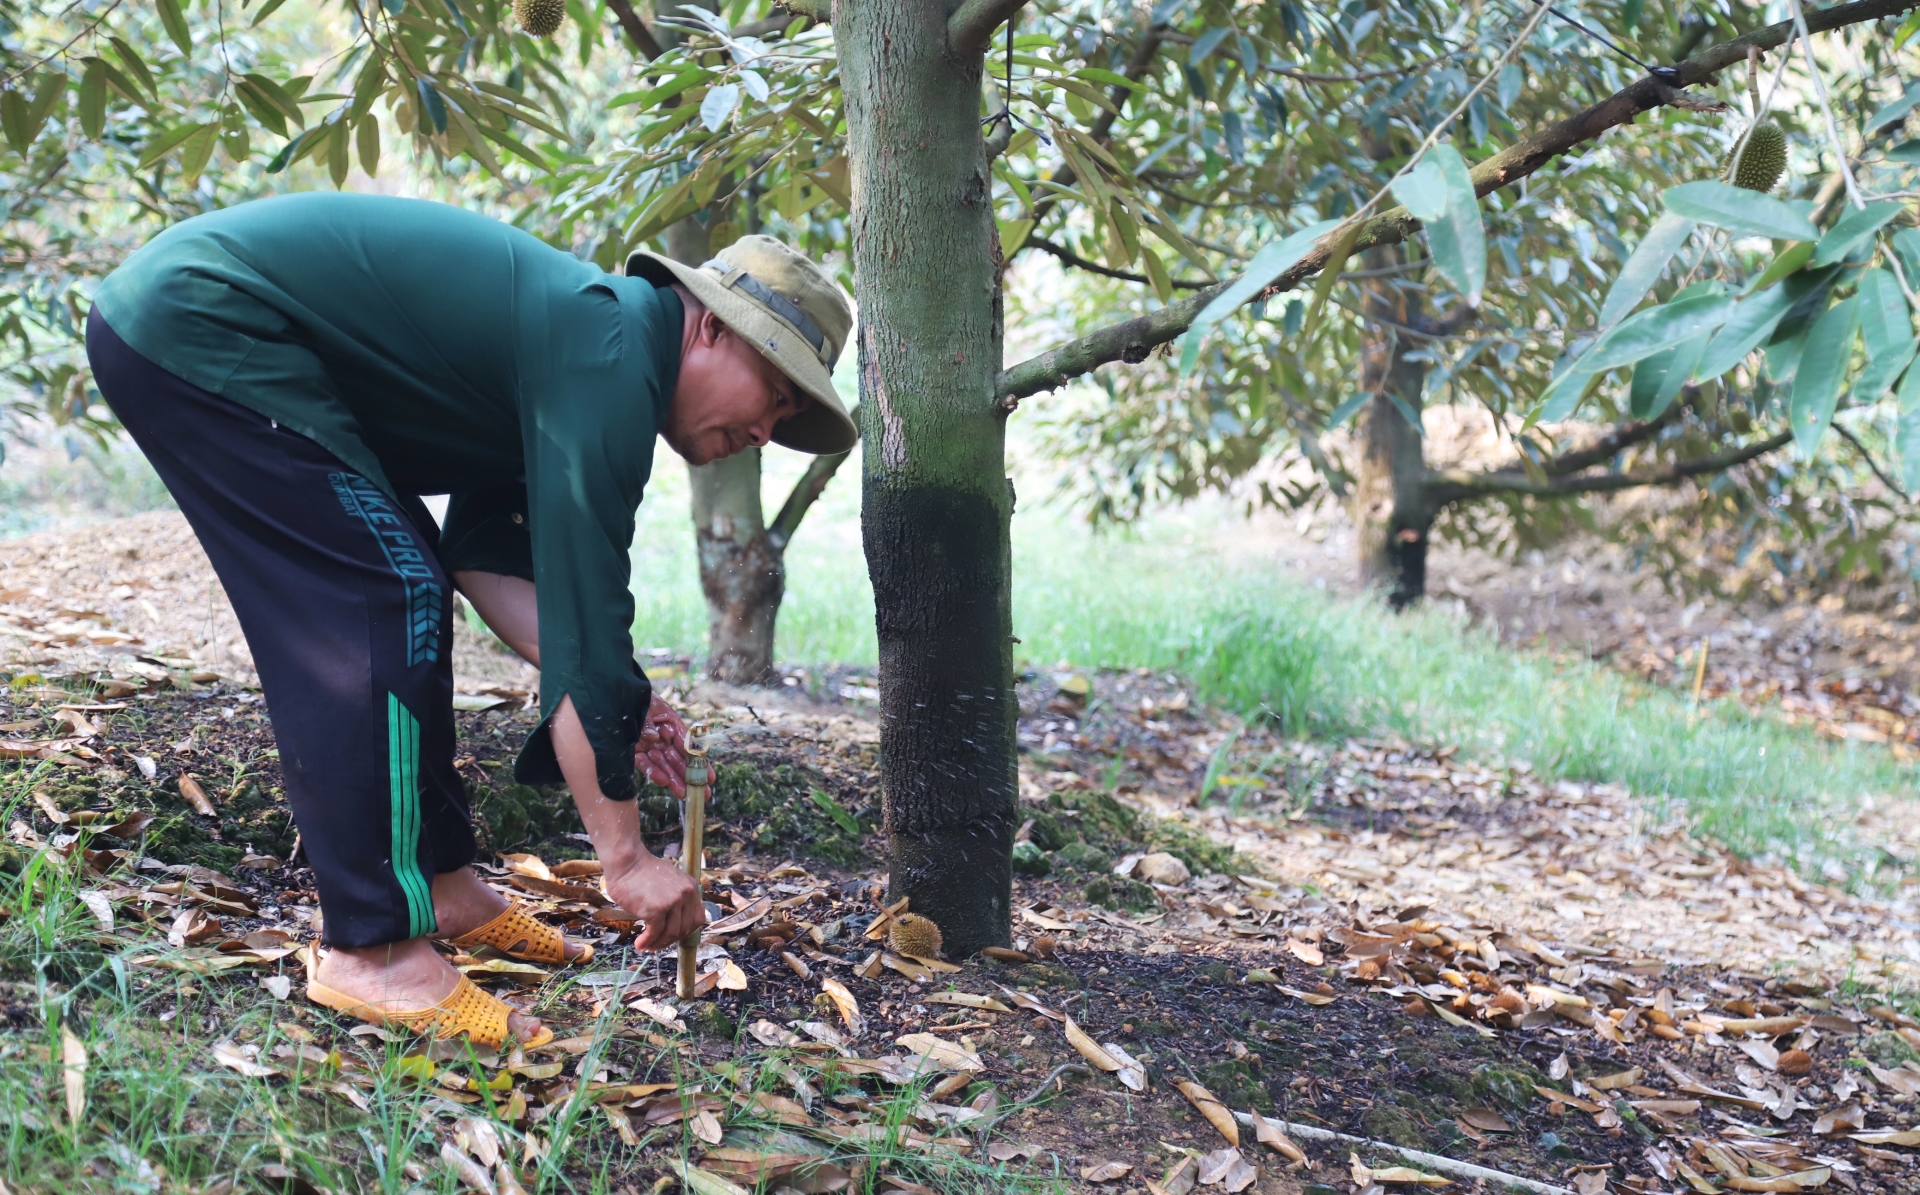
<point>1514,907</point>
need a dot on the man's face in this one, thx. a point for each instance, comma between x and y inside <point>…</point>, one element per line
<point>729,396</point>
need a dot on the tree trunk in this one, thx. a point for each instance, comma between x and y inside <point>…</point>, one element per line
<point>1391,514</point>
<point>936,500</point>
<point>742,570</point>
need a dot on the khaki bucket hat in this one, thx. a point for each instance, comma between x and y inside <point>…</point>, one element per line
<point>783,304</point>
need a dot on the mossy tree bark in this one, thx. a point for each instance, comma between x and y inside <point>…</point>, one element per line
<point>937,503</point>
<point>1392,515</point>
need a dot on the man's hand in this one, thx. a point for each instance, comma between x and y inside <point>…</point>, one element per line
<point>663,896</point>
<point>661,753</point>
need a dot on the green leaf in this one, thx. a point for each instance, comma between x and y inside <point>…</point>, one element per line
<point>1645,333</point>
<point>1908,434</point>
<point>718,105</point>
<point>432,104</point>
<point>277,98</point>
<point>368,142</point>
<point>1423,190</point>
<point>176,23</point>
<point>1881,371</point>
<point>838,812</point>
<point>165,141</point>
<point>1458,240</point>
<point>195,152</point>
<point>1906,245</point>
<point>268,9</point>
<point>1752,322</point>
<point>1884,319</point>
<point>666,91</point>
<point>1816,385</point>
<point>1790,261</point>
<point>130,58</point>
<point>1273,260</point>
<point>1345,410</point>
<point>1645,266</point>
<point>1896,110</point>
<point>1657,379</point>
<point>93,99</point>
<point>1847,233</point>
<point>1094,74</point>
<point>1736,209</point>
<point>1886,330</point>
<point>13,119</point>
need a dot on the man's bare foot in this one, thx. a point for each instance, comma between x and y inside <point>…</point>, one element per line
<point>401,977</point>
<point>462,903</point>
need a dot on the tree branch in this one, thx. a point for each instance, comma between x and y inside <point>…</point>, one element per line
<point>805,493</point>
<point>644,43</point>
<point>1068,257</point>
<point>1866,456</point>
<point>1445,486</point>
<point>1131,340</point>
<point>971,27</point>
<point>1612,444</point>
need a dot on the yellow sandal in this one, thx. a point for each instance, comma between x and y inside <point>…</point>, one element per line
<point>466,1009</point>
<point>518,934</point>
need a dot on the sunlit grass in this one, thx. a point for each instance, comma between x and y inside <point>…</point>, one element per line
<point>1168,598</point>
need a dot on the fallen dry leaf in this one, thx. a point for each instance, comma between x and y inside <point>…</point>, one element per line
<point>1089,1048</point>
<point>1850,1118</point>
<point>706,1126</point>
<point>663,1013</point>
<point>465,1168</point>
<point>1268,1133</point>
<point>1615,1082</point>
<point>194,795</point>
<point>1226,1168</point>
<point>1106,1172</point>
<point>1133,1072</point>
<point>1315,998</point>
<point>73,1072</point>
<point>967,1000</point>
<point>732,978</point>
<point>1364,1176</point>
<point>1486,1120</point>
<point>848,1007</point>
<point>234,1058</point>
<point>943,1054</point>
<point>1908,1137</point>
<point>1210,1107</point>
<point>1306,952</point>
<point>193,926</point>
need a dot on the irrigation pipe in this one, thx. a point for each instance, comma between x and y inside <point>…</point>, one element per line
<point>1418,1157</point>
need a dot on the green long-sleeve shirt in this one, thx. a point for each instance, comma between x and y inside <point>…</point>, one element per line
<point>436,351</point>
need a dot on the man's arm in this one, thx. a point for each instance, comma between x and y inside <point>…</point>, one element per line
<point>638,880</point>
<point>508,606</point>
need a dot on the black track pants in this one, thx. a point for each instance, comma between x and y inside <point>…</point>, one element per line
<point>347,613</point>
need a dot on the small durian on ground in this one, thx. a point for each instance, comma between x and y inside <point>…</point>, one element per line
<point>1764,160</point>
<point>914,936</point>
<point>540,17</point>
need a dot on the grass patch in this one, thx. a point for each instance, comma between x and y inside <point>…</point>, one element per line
<point>1170,597</point>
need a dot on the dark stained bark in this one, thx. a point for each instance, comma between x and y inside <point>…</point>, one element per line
<point>936,501</point>
<point>1390,511</point>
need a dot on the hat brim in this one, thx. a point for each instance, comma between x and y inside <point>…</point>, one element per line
<point>824,427</point>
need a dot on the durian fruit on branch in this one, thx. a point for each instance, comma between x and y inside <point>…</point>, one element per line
<point>1759,165</point>
<point>540,17</point>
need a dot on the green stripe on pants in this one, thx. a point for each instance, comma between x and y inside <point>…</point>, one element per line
<point>403,771</point>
